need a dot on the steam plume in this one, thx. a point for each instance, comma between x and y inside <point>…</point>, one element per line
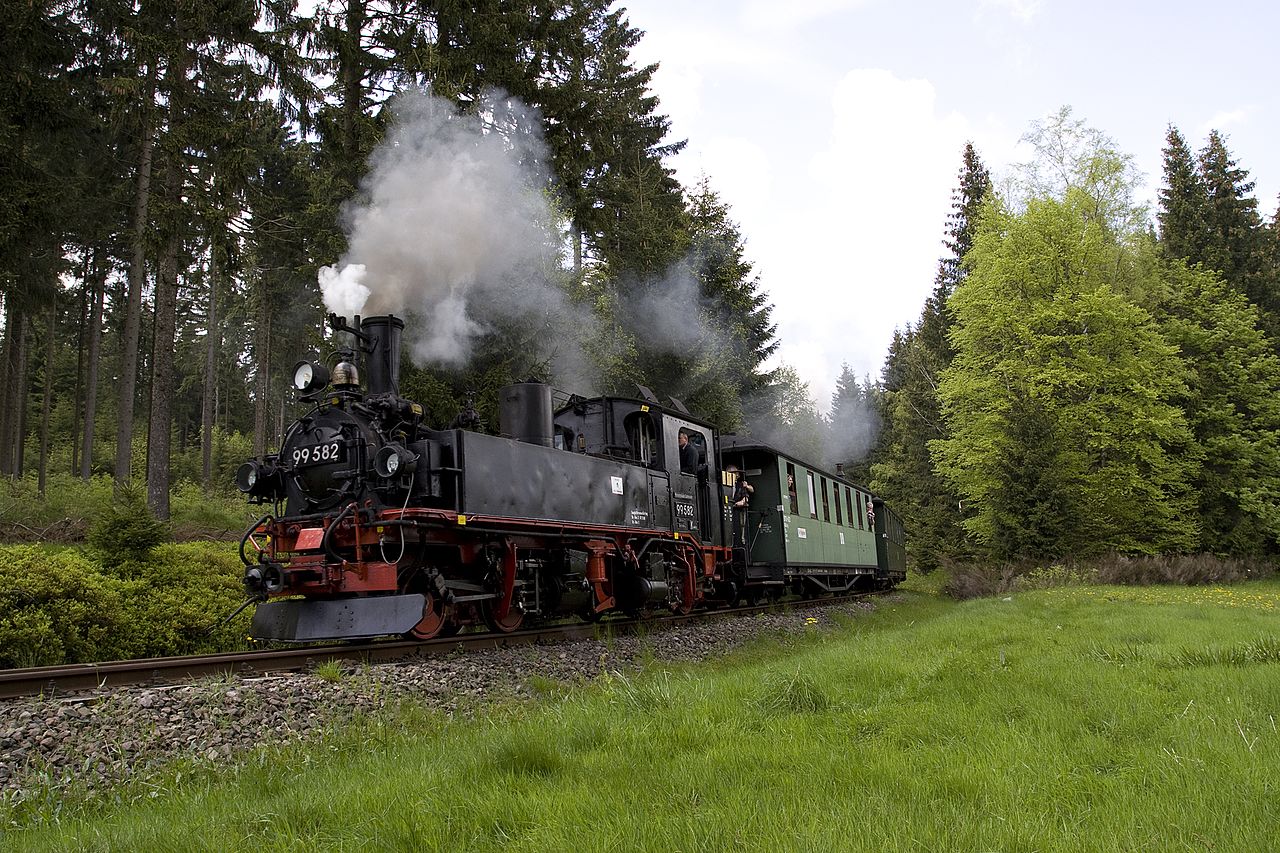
<point>453,228</point>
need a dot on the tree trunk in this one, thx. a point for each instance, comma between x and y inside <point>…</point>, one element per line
<point>161,420</point>
<point>137,273</point>
<point>47,404</point>
<point>214,336</point>
<point>18,431</point>
<point>10,389</point>
<point>262,350</point>
<point>81,322</point>
<point>91,381</point>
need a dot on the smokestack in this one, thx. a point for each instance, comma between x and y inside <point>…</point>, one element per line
<point>382,353</point>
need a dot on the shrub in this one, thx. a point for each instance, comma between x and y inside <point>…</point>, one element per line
<point>58,605</point>
<point>127,530</point>
<point>973,580</point>
<point>57,608</point>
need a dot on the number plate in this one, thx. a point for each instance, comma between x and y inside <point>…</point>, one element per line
<point>317,454</point>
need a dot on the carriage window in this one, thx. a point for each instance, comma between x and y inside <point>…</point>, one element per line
<point>848,504</point>
<point>835,492</point>
<point>860,526</point>
<point>813,497</point>
<point>826,507</point>
<point>791,489</point>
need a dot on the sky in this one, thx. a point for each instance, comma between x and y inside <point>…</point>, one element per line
<point>834,128</point>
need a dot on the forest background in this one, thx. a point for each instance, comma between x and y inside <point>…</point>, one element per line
<point>1087,377</point>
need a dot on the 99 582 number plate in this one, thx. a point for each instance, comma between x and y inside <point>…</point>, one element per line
<point>317,454</point>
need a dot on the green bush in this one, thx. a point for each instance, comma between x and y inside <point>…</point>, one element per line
<point>59,605</point>
<point>127,530</point>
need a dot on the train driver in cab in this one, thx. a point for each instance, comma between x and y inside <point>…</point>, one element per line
<point>688,454</point>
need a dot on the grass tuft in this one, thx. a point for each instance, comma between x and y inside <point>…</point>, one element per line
<point>796,693</point>
<point>1262,650</point>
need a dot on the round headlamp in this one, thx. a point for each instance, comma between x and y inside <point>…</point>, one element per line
<point>308,376</point>
<point>393,461</point>
<point>259,480</point>
<point>247,477</point>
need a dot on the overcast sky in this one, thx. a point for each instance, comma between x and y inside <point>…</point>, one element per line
<point>834,128</point>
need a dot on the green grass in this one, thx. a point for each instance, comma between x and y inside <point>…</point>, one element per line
<point>1093,718</point>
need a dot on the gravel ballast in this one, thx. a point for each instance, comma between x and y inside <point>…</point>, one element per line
<point>96,740</point>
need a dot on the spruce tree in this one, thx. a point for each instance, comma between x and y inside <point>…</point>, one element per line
<point>1183,202</point>
<point>1234,235</point>
<point>853,425</point>
<point>1232,404</point>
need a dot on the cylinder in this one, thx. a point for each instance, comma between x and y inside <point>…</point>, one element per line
<point>524,413</point>
<point>382,353</point>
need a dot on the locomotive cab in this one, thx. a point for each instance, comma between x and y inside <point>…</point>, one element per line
<point>647,435</point>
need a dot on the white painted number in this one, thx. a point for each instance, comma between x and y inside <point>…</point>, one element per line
<point>318,453</point>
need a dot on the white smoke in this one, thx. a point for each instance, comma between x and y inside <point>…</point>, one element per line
<point>454,227</point>
<point>343,292</point>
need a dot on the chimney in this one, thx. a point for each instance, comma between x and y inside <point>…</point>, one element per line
<point>839,469</point>
<point>382,353</point>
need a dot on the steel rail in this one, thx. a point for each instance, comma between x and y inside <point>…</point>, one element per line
<point>66,679</point>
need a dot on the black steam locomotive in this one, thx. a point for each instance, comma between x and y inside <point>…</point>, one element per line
<point>384,526</point>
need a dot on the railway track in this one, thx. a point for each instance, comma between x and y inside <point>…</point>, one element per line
<point>77,678</point>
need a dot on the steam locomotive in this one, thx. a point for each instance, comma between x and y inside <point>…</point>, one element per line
<point>382,525</point>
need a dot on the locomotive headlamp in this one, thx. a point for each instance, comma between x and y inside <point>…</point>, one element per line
<point>309,376</point>
<point>258,480</point>
<point>247,477</point>
<point>394,461</point>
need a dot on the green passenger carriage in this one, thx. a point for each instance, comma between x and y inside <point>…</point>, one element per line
<point>811,530</point>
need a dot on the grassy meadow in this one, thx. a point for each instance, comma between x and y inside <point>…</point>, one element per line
<point>1079,718</point>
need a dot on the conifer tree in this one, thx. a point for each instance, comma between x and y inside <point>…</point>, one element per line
<point>853,426</point>
<point>1232,404</point>
<point>1183,200</point>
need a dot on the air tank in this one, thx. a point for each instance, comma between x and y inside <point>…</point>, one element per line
<point>524,413</point>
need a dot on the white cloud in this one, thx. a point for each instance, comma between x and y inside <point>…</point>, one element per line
<point>1022,10</point>
<point>1227,118</point>
<point>741,174</point>
<point>861,260</point>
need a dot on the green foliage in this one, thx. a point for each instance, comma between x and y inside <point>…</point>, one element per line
<point>199,514</point>
<point>1064,437</point>
<point>1209,216</point>
<point>127,530</point>
<point>1232,404</point>
<point>61,606</point>
<point>56,607</point>
<point>63,513</point>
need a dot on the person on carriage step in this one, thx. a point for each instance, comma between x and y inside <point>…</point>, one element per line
<point>688,454</point>
<point>742,492</point>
